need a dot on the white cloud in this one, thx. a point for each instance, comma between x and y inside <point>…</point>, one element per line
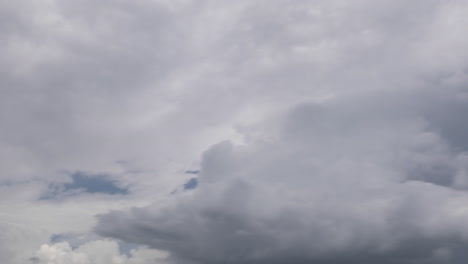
<point>98,251</point>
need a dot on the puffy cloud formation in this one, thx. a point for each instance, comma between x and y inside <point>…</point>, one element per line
<point>98,251</point>
<point>349,180</point>
<point>371,166</point>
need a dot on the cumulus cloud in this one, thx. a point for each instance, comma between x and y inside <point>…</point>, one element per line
<point>351,179</point>
<point>98,251</point>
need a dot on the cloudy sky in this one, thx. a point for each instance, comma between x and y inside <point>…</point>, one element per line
<point>237,132</point>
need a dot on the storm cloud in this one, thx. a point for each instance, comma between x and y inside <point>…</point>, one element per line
<point>352,180</point>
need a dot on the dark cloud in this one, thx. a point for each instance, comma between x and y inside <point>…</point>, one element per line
<point>347,181</point>
<point>34,260</point>
<point>365,163</point>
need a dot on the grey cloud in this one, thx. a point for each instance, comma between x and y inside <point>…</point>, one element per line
<point>371,168</point>
<point>34,259</point>
<point>88,83</point>
<point>344,181</point>
<point>447,117</point>
<point>370,160</point>
<point>16,240</point>
<point>73,71</point>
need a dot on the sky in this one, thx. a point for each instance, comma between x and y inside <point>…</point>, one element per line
<point>234,132</point>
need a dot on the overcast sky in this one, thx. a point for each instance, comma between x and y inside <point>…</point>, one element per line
<point>233,132</point>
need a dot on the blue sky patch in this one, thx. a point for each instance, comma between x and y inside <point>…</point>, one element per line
<point>191,184</point>
<point>83,182</point>
<point>94,184</point>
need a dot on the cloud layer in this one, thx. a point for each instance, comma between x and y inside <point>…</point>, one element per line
<point>332,131</point>
<point>348,180</point>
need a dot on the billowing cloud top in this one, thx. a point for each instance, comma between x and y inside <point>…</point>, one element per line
<point>294,131</point>
<point>353,180</point>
